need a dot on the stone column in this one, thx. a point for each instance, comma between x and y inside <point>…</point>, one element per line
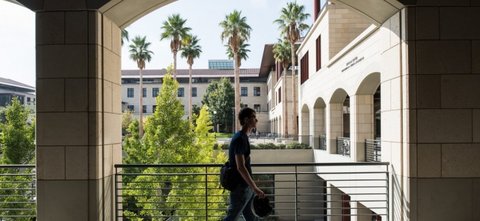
<point>361,119</point>
<point>78,112</point>
<point>444,106</point>
<point>304,126</point>
<point>334,125</point>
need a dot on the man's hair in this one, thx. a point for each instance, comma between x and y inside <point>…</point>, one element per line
<point>244,113</point>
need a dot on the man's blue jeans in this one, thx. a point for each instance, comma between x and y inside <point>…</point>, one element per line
<point>239,208</point>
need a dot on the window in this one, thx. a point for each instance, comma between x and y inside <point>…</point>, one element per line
<point>131,108</point>
<point>244,105</point>
<point>144,108</point>
<point>154,107</point>
<point>28,100</point>
<point>244,91</point>
<point>181,92</point>
<point>256,107</point>
<point>256,91</point>
<point>144,92</point>
<point>279,94</point>
<point>130,92</point>
<point>318,52</point>
<point>155,92</point>
<point>304,68</point>
<point>194,91</point>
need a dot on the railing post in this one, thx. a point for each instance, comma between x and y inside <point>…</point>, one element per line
<point>388,193</point>
<point>206,193</point>
<point>116,194</point>
<point>296,193</point>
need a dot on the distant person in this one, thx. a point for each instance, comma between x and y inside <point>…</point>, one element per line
<point>239,157</point>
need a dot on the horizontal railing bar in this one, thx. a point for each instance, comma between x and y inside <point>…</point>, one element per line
<point>254,165</point>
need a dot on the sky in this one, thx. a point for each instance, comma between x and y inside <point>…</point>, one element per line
<point>17,41</point>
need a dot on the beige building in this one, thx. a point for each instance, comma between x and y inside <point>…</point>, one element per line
<point>253,90</point>
<point>425,55</point>
<point>407,79</point>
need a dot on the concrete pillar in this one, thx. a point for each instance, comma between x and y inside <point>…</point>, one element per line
<point>318,121</point>
<point>78,112</point>
<point>334,125</point>
<point>334,203</point>
<point>361,119</point>
<point>305,126</point>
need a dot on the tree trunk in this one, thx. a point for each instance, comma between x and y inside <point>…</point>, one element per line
<point>285,103</point>
<point>190,98</point>
<point>237,91</point>
<point>294,105</point>
<point>175,65</point>
<point>140,120</point>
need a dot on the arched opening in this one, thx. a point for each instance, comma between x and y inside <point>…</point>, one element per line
<point>338,126</point>
<point>319,125</point>
<point>366,120</point>
<point>305,125</point>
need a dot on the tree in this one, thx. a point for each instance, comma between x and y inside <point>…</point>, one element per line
<point>174,29</point>
<point>190,51</point>
<point>18,147</point>
<point>170,139</point>
<point>236,32</point>
<point>219,98</point>
<point>127,118</point>
<point>242,53</point>
<point>125,36</point>
<point>282,55</point>
<point>291,25</point>
<point>140,53</point>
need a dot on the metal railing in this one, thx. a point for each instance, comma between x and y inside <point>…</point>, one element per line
<point>17,192</point>
<point>322,142</point>
<point>373,150</point>
<point>299,191</point>
<point>343,146</point>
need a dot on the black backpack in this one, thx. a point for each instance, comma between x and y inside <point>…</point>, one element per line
<point>228,176</point>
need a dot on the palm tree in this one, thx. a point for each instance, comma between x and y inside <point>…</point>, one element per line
<point>174,29</point>
<point>291,25</point>
<point>125,35</point>
<point>282,55</point>
<point>190,51</point>
<point>139,53</point>
<point>242,53</point>
<point>236,32</point>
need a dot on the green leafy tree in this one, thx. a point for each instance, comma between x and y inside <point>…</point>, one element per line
<point>140,53</point>
<point>190,51</point>
<point>219,98</point>
<point>174,28</point>
<point>18,136</point>
<point>291,24</point>
<point>169,138</point>
<point>127,118</point>
<point>236,33</point>
<point>18,147</point>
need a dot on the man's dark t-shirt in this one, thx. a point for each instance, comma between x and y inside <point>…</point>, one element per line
<point>240,145</point>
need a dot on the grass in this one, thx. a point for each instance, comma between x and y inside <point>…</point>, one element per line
<point>223,135</point>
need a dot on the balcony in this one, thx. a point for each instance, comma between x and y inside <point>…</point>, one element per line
<point>17,192</point>
<point>373,150</point>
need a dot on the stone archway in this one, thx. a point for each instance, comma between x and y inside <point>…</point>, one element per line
<point>305,125</point>
<point>319,124</point>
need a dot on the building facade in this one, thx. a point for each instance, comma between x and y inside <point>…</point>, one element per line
<point>10,89</point>
<point>403,84</point>
<point>253,90</point>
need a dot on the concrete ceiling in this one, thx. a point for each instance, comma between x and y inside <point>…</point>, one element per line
<point>378,11</point>
<point>125,12</point>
